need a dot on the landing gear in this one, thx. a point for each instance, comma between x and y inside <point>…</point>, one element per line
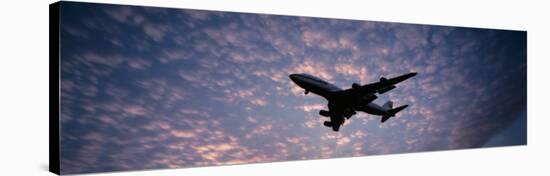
<point>335,124</point>
<point>348,113</point>
<point>329,124</point>
<point>335,127</point>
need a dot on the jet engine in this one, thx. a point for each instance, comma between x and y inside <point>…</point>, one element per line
<point>355,86</point>
<point>324,113</point>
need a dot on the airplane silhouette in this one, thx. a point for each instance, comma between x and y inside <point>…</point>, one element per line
<point>342,104</point>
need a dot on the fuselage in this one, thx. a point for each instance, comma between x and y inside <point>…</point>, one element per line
<point>327,90</point>
<point>314,85</point>
<point>372,108</point>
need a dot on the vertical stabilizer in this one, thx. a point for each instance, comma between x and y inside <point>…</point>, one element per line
<point>388,105</point>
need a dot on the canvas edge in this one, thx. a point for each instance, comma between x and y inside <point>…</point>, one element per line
<point>54,87</point>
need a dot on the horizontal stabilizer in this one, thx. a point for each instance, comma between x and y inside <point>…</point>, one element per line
<point>396,110</point>
<point>393,112</point>
<point>384,118</point>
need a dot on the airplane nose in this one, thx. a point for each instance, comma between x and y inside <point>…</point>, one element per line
<point>293,77</point>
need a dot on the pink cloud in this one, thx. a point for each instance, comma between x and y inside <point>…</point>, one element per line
<point>343,141</point>
<point>312,67</point>
<point>320,39</point>
<point>311,107</point>
<point>262,129</point>
<point>352,70</point>
<point>195,112</point>
<point>258,102</point>
<point>135,110</point>
<point>182,134</point>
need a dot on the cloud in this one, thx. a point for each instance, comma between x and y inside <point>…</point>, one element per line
<point>351,70</point>
<point>135,110</point>
<point>259,102</point>
<point>120,14</point>
<point>310,66</point>
<point>311,107</point>
<point>343,141</point>
<point>262,129</point>
<point>139,64</point>
<point>76,32</point>
<point>182,134</point>
<point>198,14</point>
<point>102,60</point>
<point>155,32</point>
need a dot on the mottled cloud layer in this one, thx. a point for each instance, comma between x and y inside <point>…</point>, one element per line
<point>149,88</point>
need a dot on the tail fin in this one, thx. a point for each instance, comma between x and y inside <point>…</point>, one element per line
<point>388,105</point>
<point>392,112</point>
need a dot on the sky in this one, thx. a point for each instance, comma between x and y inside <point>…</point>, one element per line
<point>154,88</point>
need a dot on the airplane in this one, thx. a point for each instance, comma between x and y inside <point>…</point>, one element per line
<point>342,104</point>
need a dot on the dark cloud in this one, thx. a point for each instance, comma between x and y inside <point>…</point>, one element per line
<point>147,88</point>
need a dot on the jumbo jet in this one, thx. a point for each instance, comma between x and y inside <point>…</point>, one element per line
<point>342,104</point>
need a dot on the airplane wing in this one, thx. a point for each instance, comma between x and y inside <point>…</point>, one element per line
<point>384,85</point>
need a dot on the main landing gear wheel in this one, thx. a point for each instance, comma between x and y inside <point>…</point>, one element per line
<point>327,124</point>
